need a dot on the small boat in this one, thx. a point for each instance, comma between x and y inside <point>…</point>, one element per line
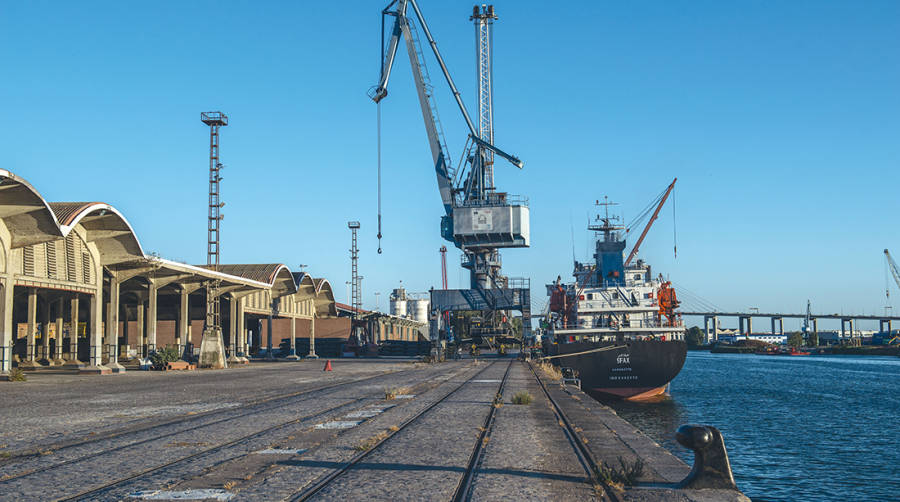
<point>795,352</point>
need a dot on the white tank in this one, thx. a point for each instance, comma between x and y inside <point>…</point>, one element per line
<point>418,310</point>
<point>398,307</point>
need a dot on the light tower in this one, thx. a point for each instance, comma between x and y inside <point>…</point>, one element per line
<point>355,299</point>
<point>212,344</point>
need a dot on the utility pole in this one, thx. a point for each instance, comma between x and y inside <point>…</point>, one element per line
<point>212,344</point>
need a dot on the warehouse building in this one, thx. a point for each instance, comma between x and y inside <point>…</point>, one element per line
<point>78,291</point>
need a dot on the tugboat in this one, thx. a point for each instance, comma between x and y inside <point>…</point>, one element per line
<point>616,325</point>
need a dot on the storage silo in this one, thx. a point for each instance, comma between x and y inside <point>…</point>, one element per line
<point>398,302</point>
<point>418,310</point>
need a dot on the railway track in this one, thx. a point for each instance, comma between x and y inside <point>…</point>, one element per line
<point>195,417</point>
<point>585,456</point>
<point>270,403</point>
<point>324,481</point>
<point>464,489</point>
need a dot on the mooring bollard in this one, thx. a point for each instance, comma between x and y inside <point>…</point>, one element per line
<point>711,466</point>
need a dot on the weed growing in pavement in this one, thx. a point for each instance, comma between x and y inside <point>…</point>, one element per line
<point>16,375</point>
<point>619,478</point>
<point>391,393</point>
<point>185,444</point>
<point>370,443</point>
<point>551,370</point>
<point>229,485</point>
<point>522,397</point>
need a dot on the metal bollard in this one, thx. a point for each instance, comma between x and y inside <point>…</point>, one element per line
<point>711,466</point>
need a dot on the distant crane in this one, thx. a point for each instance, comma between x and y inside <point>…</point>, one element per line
<point>895,271</point>
<point>806,321</point>
<point>443,251</point>
<point>659,206</point>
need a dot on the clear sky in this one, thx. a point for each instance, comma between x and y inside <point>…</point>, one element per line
<point>781,121</point>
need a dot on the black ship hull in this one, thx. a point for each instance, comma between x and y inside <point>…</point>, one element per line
<point>640,370</point>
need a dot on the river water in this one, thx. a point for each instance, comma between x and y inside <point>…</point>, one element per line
<point>796,428</point>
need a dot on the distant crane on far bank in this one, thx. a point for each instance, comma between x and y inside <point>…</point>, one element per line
<point>895,271</point>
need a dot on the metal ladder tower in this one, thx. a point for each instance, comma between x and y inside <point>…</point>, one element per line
<point>355,296</point>
<point>483,18</point>
<point>212,345</point>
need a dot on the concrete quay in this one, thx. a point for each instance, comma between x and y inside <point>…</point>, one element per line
<point>371,429</point>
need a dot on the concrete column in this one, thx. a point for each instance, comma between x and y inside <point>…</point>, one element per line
<point>96,335</point>
<point>773,326</point>
<point>32,325</point>
<point>292,354</point>
<point>6,326</point>
<point>151,318</point>
<point>241,331</point>
<point>45,334</point>
<point>141,334</point>
<point>749,327</point>
<point>740,325</point>
<point>183,320</point>
<point>232,329</point>
<point>815,323</point>
<point>73,331</point>
<point>781,326</point>
<point>112,327</point>
<point>852,334</point>
<point>312,338</point>
<point>269,353</point>
<point>58,351</point>
<point>715,329</point>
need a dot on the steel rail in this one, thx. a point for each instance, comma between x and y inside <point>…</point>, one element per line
<point>112,484</point>
<point>130,477</point>
<point>464,489</point>
<point>24,454</point>
<point>176,421</point>
<point>330,477</point>
<point>585,455</point>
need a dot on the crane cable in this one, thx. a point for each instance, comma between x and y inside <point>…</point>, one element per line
<point>674,225</point>
<point>378,113</point>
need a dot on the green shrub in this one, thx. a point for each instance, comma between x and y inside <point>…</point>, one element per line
<point>16,375</point>
<point>161,357</point>
<point>522,397</point>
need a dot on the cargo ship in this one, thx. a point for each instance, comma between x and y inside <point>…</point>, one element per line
<point>616,325</point>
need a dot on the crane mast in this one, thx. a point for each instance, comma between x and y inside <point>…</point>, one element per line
<point>895,271</point>
<point>477,218</point>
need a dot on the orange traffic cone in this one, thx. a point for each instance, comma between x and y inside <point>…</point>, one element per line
<point>327,365</point>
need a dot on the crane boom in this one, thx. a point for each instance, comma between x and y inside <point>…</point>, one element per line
<point>403,27</point>
<point>662,201</point>
<point>895,270</point>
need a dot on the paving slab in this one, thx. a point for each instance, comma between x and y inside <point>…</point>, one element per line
<point>529,456</point>
<point>612,440</point>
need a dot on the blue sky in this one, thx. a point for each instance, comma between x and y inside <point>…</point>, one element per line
<point>780,119</point>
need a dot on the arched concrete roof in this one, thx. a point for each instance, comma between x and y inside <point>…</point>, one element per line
<point>25,212</point>
<point>304,283</point>
<point>325,305</point>
<point>104,225</point>
<point>277,275</point>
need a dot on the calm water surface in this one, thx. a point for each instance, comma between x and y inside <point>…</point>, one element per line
<point>796,428</point>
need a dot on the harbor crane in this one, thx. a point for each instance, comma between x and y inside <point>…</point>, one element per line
<point>478,219</point>
<point>895,271</point>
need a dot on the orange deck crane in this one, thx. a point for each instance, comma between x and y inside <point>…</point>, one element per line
<point>659,206</point>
